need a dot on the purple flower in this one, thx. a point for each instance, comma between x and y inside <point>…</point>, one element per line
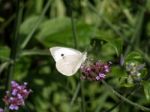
<point>106,68</point>
<point>95,71</point>
<point>97,78</point>
<point>101,76</point>
<point>13,107</point>
<point>1,110</point>
<point>16,96</point>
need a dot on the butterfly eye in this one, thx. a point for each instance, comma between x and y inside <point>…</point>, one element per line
<point>62,55</point>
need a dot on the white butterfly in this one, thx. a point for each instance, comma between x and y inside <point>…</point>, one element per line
<point>68,60</point>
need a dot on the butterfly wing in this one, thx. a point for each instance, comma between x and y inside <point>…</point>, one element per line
<point>60,52</point>
<point>69,62</point>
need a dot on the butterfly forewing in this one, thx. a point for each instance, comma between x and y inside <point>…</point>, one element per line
<point>59,52</point>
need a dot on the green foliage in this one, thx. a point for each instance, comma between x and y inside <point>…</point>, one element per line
<point>134,57</point>
<point>58,31</point>
<point>106,29</point>
<point>5,52</point>
<point>147,90</point>
<point>28,25</point>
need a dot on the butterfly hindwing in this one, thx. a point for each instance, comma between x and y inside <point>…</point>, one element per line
<point>67,65</point>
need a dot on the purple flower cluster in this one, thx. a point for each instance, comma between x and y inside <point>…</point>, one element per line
<point>95,71</point>
<point>16,96</point>
<point>1,110</point>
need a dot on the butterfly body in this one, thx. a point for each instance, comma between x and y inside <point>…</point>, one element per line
<point>68,60</point>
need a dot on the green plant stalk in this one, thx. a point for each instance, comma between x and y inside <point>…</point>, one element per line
<point>121,101</point>
<point>125,99</point>
<point>82,96</point>
<point>74,31</point>
<point>76,46</point>
<point>25,42</point>
<point>14,48</point>
<point>34,52</point>
<point>134,41</point>
<point>74,96</point>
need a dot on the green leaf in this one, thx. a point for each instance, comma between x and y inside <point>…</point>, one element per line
<point>58,31</point>
<point>127,81</point>
<point>39,5</point>
<point>3,66</point>
<point>35,52</point>
<point>116,71</point>
<point>27,26</point>
<point>53,26</point>
<point>115,43</point>
<point>4,52</point>
<point>134,56</point>
<point>147,90</point>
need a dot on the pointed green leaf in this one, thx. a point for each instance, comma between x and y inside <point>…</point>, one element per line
<point>147,90</point>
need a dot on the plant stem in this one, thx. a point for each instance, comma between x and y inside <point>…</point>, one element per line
<point>134,41</point>
<point>36,25</point>
<point>73,25</point>
<point>14,48</point>
<point>81,83</point>
<point>74,96</point>
<point>121,101</point>
<point>82,96</point>
<point>15,43</point>
<point>125,99</point>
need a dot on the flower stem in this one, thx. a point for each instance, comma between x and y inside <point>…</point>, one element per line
<point>81,83</point>
<point>134,41</point>
<point>73,24</point>
<point>36,25</point>
<point>125,99</point>
<point>121,101</point>
<point>15,43</point>
<point>82,96</point>
<point>75,94</point>
<point>14,49</point>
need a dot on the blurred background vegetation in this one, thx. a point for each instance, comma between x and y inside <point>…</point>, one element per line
<point>107,29</point>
